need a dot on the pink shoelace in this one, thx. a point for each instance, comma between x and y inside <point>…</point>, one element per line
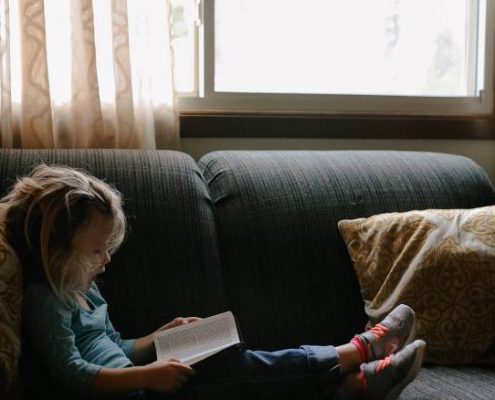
<point>380,367</point>
<point>364,348</point>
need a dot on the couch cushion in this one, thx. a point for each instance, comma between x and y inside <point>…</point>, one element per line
<point>10,314</point>
<point>439,262</point>
<point>442,383</point>
<point>168,266</point>
<point>289,278</point>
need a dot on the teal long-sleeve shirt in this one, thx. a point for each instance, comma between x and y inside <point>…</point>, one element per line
<point>72,344</point>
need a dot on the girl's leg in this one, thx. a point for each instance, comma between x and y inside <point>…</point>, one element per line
<point>350,358</point>
<point>307,372</point>
<point>301,373</point>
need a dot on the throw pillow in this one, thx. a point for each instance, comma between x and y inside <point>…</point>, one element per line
<point>10,314</point>
<point>439,262</point>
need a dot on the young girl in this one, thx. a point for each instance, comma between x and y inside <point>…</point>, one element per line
<point>64,225</point>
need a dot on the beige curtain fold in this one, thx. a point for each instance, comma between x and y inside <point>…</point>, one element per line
<point>86,74</point>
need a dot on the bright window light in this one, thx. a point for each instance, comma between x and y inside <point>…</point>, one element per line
<point>183,41</point>
<point>104,50</point>
<point>379,47</point>
<point>59,54</point>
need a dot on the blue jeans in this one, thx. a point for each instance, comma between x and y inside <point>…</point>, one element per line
<point>309,372</point>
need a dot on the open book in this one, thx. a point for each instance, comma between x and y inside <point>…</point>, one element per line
<point>198,340</point>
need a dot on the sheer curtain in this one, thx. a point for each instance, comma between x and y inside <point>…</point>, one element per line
<point>86,74</point>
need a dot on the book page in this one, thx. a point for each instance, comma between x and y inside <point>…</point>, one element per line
<point>195,341</point>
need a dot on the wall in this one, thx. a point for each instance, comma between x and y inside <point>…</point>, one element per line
<point>481,151</point>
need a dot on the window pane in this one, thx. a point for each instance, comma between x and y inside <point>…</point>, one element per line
<point>183,37</point>
<point>380,47</point>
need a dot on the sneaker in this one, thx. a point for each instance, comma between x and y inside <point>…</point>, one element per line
<point>386,379</point>
<point>397,330</point>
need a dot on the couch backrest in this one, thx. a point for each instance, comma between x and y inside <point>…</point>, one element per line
<point>287,272</point>
<point>269,242</point>
<point>169,264</point>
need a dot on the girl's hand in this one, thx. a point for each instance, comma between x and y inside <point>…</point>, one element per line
<point>177,322</point>
<point>167,376</point>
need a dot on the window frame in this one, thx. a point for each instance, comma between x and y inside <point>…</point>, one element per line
<point>210,114</point>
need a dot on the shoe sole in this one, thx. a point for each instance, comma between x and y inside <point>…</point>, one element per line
<point>396,390</point>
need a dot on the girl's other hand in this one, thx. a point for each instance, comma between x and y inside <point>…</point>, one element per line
<point>167,375</point>
<point>177,322</point>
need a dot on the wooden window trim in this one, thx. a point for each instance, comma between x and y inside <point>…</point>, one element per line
<point>265,125</point>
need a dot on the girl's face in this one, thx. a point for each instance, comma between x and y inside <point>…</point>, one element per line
<point>97,238</point>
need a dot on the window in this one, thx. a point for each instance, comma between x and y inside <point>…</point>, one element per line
<point>423,57</point>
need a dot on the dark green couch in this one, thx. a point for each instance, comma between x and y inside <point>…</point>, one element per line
<point>256,233</point>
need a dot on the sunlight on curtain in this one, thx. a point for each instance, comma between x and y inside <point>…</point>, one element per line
<point>83,73</point>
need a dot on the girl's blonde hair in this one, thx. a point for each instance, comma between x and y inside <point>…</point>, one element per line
<point>47,214</point>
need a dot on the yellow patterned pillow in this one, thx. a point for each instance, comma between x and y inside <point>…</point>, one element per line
<point>439,262</point>
<point>10,315</point>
